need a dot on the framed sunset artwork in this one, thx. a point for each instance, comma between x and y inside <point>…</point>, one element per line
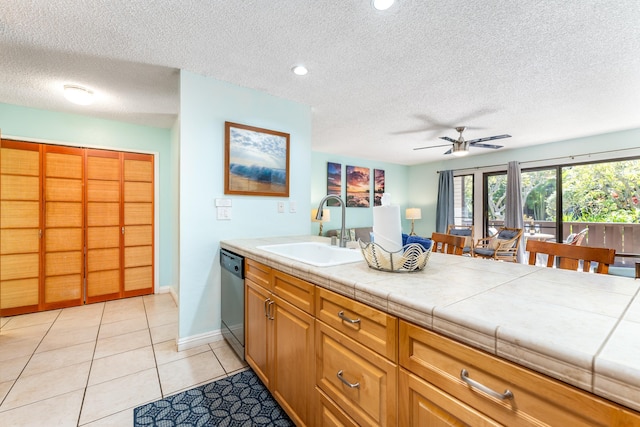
<point>358,187</point>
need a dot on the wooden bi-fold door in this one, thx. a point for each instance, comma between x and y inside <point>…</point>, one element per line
<point>103,238</point>
<point>138,224</point>
<point>20,227</point>
<point>119,239</point>
<point>77,226</point>
<point>63,227</point>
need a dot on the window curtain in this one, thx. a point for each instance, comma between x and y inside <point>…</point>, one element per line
<point>444,208</point>
<point>513,211</point>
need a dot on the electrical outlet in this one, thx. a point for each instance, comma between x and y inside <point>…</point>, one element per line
<point>280,207</point>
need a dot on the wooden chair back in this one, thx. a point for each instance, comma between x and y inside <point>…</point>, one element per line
<point>447,243</point>
<point>467,232</point>
<point>569,256</point>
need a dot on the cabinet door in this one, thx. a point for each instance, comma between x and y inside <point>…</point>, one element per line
<point>293,380</point>
<point>64,225</point>
<point>103,201</point>
<point>257,330</point>
<point>20,227</point>
<point>422,404</point>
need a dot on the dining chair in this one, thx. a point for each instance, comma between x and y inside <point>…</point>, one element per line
<point>576,239</point>
<point>570,257</point>
<point>467,232</point>
<point>448,243</point>
<point>501,246</point>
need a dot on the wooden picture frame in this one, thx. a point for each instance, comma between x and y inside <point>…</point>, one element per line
<point>256,161</point>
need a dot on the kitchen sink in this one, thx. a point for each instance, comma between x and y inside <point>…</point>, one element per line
<point>315,253</point>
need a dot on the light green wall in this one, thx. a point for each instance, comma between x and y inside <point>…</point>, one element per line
<point>205,104</point>
<point>32,124</point>
<point>396,183</point>
<point>423,179</point>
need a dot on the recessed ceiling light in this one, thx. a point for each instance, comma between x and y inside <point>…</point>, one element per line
<point>78,94</point>
<point>383,4</point>
<point>300,70</point>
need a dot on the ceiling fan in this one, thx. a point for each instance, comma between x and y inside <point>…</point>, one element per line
<point>460,147</point>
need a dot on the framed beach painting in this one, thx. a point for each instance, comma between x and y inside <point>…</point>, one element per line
<point>334,182</point>
<point>378,186</point>
<point>358,187</point>
<point>256,161</point>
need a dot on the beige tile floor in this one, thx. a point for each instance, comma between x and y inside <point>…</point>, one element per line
<point>91,365</point>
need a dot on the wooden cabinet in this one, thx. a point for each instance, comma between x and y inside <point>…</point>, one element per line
<point>370,368</point>
<point>356,351</point>
<point>77,226</point>
<point>280,337</point>
<point>536,399</point>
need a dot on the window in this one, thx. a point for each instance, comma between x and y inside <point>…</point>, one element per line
<point>463,200</point>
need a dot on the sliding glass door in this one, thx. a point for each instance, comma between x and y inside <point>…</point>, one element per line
<point>539,202</point>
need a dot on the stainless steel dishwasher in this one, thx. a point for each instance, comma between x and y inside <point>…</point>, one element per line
<point>232,299</point>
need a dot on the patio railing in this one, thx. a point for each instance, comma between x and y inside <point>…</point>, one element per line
<point>623,237</point>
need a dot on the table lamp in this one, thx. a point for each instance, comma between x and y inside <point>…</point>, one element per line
<point>326,216</point>
<point>413,214</point>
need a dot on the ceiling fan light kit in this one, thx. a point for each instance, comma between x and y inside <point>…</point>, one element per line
<point>460,147</point>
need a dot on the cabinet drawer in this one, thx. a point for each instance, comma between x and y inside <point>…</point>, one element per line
<point>258,273</point>
<point>422,404</point>
<point>329,415</point>
<point>295,291</point>
<point>537,400</point>
<point>368,388</point>
<point>368,326</point>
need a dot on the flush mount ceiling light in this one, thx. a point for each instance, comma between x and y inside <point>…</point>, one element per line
<point>382,4</point>
<point>300,70</point>
<point>78,94</point>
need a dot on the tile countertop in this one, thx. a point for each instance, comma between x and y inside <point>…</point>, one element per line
<point>581,328</point>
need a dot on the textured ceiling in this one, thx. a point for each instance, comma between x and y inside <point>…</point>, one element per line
<point>539,70</point>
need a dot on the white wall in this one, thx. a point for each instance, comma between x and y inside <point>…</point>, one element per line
<point>423,179</point>
<point>205,104</point>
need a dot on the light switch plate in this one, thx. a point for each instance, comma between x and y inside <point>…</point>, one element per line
<point>223,202</point>
<point>293,207</point>
<point>223,213</point>
<point>280,207</point>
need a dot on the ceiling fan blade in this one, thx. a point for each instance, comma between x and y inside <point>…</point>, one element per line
<point>484,145</point>
<point>450,151</point>
<point>489,138</point>
<point>432,146</point>
<point>446,138</point>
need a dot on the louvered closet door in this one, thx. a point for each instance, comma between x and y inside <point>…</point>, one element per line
<point>103,201</point>
<point>20,226</point>
<point>138,224</point>
<point>64,223</point>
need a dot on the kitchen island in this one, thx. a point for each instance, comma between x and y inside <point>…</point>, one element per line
<point>582,329</point>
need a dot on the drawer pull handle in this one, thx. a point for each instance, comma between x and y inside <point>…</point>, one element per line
<point>345,382</point>
<point>464,375</point>
<point>266,307</point>
<point>346,319</point>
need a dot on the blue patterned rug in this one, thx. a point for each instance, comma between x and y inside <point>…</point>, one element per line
<point>239,400</point>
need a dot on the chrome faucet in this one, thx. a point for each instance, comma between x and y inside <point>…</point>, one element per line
<point>343,237</point>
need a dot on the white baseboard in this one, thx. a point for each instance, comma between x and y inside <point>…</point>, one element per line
<point>198,340</point>
<point>169,290</point>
